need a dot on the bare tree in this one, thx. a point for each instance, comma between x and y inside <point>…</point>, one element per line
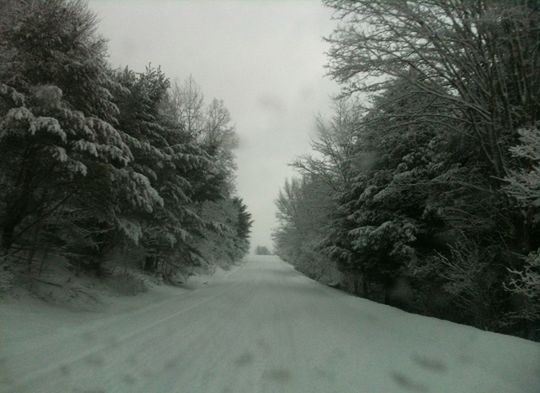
<point>188,101</point>
<point>334,145</point>
<point>483,53</point>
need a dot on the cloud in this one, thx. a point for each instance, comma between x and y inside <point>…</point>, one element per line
<point>307,92</point>
<point>272,103</point>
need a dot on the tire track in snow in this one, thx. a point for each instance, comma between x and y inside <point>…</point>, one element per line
<point>29,377</point>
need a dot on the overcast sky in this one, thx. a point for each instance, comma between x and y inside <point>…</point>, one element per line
<point>265,59</point>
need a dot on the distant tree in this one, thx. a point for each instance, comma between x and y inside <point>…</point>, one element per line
<point>262,250</point>
<point>243,228</point>
<point>304,206</point>
<point>334,146</point>
<point>192,169</point>
<point>225,238</point>
<point>188,105</point>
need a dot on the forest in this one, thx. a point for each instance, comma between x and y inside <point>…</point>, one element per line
<point>422,190</point>
<point>400,255</point>
<point>101,166</point>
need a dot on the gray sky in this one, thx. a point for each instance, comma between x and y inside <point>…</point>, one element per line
<point>263,58</point>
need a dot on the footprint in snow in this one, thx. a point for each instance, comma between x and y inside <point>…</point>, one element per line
<point>244,359</point>
<point>278,375</point>
<point>64,370</point>
<point>408,383</point>
<point>429,363</point>
<point>128,379</point>
<point>94,360</point>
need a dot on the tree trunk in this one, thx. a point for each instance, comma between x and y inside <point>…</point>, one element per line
<point>356,284</point>
<point>7,237</point>
<point>8,232</point>
<point>365,286</point>
<point>17,211</point>
<point>150,263</point>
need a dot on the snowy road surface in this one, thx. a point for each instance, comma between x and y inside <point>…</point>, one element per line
<point>266,328</point>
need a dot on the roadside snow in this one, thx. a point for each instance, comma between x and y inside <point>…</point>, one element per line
<point>24,317</point>
<point>262,328</point>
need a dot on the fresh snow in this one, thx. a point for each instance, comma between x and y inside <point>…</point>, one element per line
<point>262,328</point>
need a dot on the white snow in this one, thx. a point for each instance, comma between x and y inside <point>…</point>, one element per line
<point>262,328</point>
<point>49,124</point>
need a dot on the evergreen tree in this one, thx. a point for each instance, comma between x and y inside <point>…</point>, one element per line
<point>62,154</point>
<point>94,161</point>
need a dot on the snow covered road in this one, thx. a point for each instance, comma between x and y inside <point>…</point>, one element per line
<point>266,328</point>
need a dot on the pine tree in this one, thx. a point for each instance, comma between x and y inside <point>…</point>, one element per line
<point>63,155</point>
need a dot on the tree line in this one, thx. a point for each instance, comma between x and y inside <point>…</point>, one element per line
<point>423,188</point>
<point>97,161</point>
